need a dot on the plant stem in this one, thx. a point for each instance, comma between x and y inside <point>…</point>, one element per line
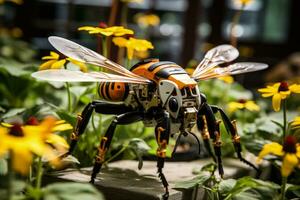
<point>30,174</point>
<point>10,176</point>
<point>235,21</point>
<point>39,174</point>
<point>128,63</point>
<point>93,124</point>
<point>69,97</point>
<point>284,120</point>
<point>195,192</point>
<point>104,46</point>
<point>116,155</point>
<point>124,13</point>
<point>283,184</point>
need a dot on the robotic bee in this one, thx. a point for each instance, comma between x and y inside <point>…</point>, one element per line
<point>159,93</point>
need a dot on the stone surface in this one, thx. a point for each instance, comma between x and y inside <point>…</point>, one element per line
<point>123,181</point>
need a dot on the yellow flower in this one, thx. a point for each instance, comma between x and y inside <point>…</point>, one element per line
<point>110,31</point>
<point>24,141</point>
<point>243,104</point>
<point>133,44</point>
<point>296,122</point>
<point>79,64</point>
<point>146,20</point>
<point>53,61</point>
<point>227,79</point>
<point>290,153</point>
<point>278,92</point>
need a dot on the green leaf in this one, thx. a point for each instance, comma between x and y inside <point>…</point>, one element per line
<point>13,112</point>
<point>71,191</point>
<point>140,148</point>
<point>15,68</point>
<point>198,180</point>
<point>250,188</point>
<point>68,117</point>
<point>226,186</point>
<point>210,167</point>
<point>295,189</point>
<point>2,110</point>
<point>278,124</point>
<point>247,195</point>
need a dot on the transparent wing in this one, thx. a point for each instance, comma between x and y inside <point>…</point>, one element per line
<point>214,57</point>
<point>62,75</point>
<point>237,68</point>
<point>83,54</point>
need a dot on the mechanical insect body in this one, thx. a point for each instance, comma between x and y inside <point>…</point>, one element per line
<point>161,94</point>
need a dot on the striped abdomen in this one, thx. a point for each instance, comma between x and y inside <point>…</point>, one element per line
<point>113,91</point>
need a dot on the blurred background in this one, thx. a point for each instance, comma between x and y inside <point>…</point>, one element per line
<point>268,30</point>
<point>182,31</point>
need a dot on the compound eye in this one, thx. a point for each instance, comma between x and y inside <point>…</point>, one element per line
<point>173,104</point>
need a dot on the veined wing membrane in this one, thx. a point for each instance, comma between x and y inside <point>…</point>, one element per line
<point>237,68</point>
<point>218,55</point>
<point>83,54</point>
<point>62,75</point>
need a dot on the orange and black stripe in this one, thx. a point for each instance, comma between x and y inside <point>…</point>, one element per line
<point>156,70</point>
<point>113,91</point>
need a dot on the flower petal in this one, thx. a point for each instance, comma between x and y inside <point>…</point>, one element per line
<point>267,95</point>
<point>290,160</point>
<point>53,56</point>
<point>296,121</point>
<point>119,41</point>
<point>294,88</point>
<point>47,65</point>
<point>271,148</point>
<point>233,106</point>
<point>21,161</point>
<point>59,142</point>
<point>276,101</point>
<point>298,150</point>
<point>81,65</point>
<point>58,64</point>
<point>130,53</point>
<point>252,106</point>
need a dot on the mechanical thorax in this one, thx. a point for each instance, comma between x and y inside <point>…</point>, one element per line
<point>172,90</point>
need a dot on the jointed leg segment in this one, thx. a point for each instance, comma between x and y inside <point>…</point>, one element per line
<point>125,115</point>
<point>232,129</point>
<point>162,133</point>
<point>84,118</point>
<point>210,129</point>
<point>125,118</point>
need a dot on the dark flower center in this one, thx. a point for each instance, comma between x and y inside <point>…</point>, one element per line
<point>102,25</point>
<point>32,121</point>
<point>284,86</point>
<point>128,36</point>
<point>16,130</point>
<point>242,101</point>
<point>289,145</point>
